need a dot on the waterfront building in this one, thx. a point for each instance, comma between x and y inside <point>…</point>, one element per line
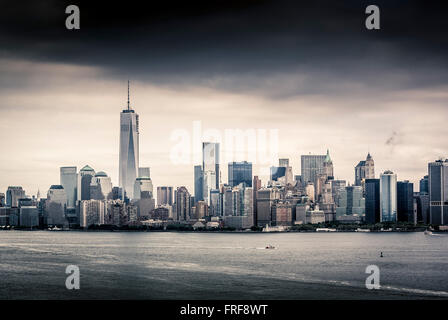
<point>129,150</point>
<point>101,187</point>
<point>85,177</point>
<point>424,184</point>
<point>388,196</point>
<point>198,183</point>
<point>183,204</point>
<point>210,168</point>
<point>13,194</point>
<point>164,196</point>
<point>438,192</point>
<point>311,166</point>
<point>351,202</point>
<point>405,201</point>
<point>372,200</point>
<point>55,206</point>
<point>69,180</point>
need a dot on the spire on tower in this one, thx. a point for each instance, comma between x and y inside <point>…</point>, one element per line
<point>128,95</point>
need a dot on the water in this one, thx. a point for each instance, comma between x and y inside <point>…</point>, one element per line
<point>172,265</point>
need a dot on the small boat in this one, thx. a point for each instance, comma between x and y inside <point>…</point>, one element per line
<point>269,247</point>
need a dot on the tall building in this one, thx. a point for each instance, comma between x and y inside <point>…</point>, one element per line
<point>351,202</point>
<point>55,206</point>
<point>92,212</point>
<point>143,188</point>
<point>183,204</point>
<point>198,183</point>
<point>405,201</point>
<point>388,196</point>
<point>424,185</point>
<point>101,187</point>
<point>438,192</point>
<point>69,180</point>
<point>164,196</point>
<point>256,185</point>
<point>2,200</point>
<point>289,179</point>
<point>364,170</point>
<point>240,172</point>
<point>265,200</point>
<point>144,172</point>
<point>372,196</point>
<point>85,177</point>
<point>129,150</point>
<point>13,194</point>
<point>311,166</point>
<point>210,168</point>
<point>278,174</point>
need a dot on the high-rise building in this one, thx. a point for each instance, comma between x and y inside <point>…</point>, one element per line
<point>69,180</point>
<point>210,168</point>
<point>13,194</point>
<point>164,196</point>
<point>405,201</point>
<point>388,196</point>
<point>143,188</point>
<point>256,185</point>
<point>144,172</point>
<point>372,196</point>
<point>438,192</point>
<point>311,166</point>
<point>278,174</point>
<point>129,150</point>
<point>2,200</point>
<point>364,170</point>
<point>55,206</point>
<point>183,204</point>
<point>289,179</point>
<point>101,187</point>
<point>240,172</point>
<point>29,216</point>
<point>424,185</point>
<point>336,187</point>
<point>351,202</point>
<point>265,200</point>
<point>85,177</point>
<point>92,212</point>
<point>198,183</point>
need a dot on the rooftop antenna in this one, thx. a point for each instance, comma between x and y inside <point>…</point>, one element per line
<point>128,95</point>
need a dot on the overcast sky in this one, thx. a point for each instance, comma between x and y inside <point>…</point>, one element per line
<point>311,70</point>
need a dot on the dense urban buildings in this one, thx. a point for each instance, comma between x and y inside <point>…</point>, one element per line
<point>88,199</point>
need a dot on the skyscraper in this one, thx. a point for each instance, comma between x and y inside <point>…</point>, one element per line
<point>198,183</point>
<point>240,172</point>
<point>13,194</point>
<point>424,186</point>
<point>69,180</point>
<point>84,179</point>
<point>372,195</point>
<point>388,196</point>
<point>101,187</point>
<point>210,168</point>
<point>183,204</point>
<point>129,149</point>
<point>438,192</point>
<point>55,205</point>
<point>405,201</point>
<point>364,170</point>
<point>164,196</point>
<point>311,166</point>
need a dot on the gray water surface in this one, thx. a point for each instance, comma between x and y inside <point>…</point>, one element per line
<point>175,265</point>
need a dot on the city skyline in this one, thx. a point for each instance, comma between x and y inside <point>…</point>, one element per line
<point>243,66</point>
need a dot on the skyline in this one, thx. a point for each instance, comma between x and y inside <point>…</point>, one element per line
<point>311,70</point>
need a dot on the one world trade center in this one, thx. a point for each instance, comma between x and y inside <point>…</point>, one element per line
<point>129,150</point>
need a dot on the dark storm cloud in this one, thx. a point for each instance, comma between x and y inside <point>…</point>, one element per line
<point>277,48</point>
